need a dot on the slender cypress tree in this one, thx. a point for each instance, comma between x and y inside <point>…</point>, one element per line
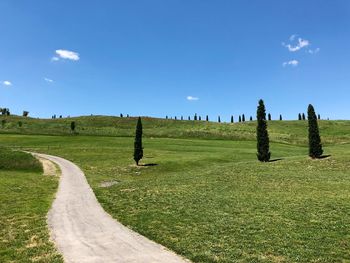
<point>166,117</point>
<point>219,120</point>
<point>280,117</point>
<point>199,118</point>
<point>175,118</point>
<point>207,118</point>
<point>138,149</point>
<point>243,118</point>
<point>182,117</point>
<point>251,118</point>
<point>263,143</point>
<point>72,126</point>
<point>239,118</point>
<point>189,118</point>
<point>269,117</point>
<point>318,116</point>
<point>303,117</point>
<point>231,118</point>
<point>299,117</point>
<point>195,116</point>
<point>315,146</point>
<point>121,115</point>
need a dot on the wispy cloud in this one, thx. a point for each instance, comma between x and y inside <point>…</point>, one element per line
<point>300,43</point>
<point>7,83</point>
<point>65,54</point>
<point>292,63</point>
<point>292,37</point>
<point>191,98</point>
<point>48,80</point>
<point>314,51</point>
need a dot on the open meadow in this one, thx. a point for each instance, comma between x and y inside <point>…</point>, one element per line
<point>201,192</point>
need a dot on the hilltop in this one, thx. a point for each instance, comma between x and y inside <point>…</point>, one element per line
<point>294,132</point>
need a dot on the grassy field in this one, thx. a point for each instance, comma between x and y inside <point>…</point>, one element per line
<point>211,200</point>
<point>25,198</point>
<point>292,132</point>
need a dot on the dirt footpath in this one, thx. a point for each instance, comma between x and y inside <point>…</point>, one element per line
<point>84,232</point>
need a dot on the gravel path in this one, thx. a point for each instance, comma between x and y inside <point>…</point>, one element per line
<point>84,232</point>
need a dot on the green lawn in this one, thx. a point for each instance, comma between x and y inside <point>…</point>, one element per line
<point>212,201</point>
<point>294,132</point>
<point>25,198</point>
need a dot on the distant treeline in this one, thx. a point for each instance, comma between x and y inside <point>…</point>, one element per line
<point>241,118</point>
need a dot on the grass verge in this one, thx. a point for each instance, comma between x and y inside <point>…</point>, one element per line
<point>25,198</point>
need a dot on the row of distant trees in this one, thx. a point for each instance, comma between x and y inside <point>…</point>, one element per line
<point>55,117</point>
<point>241,118</point>
<point>301,116</point>
<point>6,111</point>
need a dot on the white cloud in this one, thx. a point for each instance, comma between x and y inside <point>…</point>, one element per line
<point>48,80</point>
<point>192,98</point>
<point>292,63</point>
<point>314,51</point>
<point>7,83</point>
<point>301,43</point>
<point>55,59</point>
<point>66,54</point>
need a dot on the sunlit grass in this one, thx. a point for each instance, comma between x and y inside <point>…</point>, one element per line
<point>212,201</point>
<point>25,198</point>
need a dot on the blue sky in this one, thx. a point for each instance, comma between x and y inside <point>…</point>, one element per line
<point>150,57</point>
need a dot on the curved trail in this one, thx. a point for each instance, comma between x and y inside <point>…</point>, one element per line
<point>84,232</point>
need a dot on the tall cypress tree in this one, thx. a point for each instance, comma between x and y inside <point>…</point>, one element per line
<point>303,117</point>
<point>318,116</point>
<point>189,118</point>
<point>219,120</point>
<point>263,143</point>
<point>280,117</point>
<point>182,117</point>
<point>231,118</point>
<point>72,126</point>
<point>243,118</point>
<point>251,118</point>
<point>315,146</point>
<point>207,118</point>
<point>239,118</point>
<point>138,149</point>
<point>269,117</point>
<point>199,118</point>
<point>195,116</point>
<point>299,117</point>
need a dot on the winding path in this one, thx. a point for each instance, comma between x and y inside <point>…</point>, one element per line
<point>84,232</point>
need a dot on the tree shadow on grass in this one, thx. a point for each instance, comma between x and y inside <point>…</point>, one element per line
<point>324,156</point>
<point>149,164</point>
<point>275,160</point>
